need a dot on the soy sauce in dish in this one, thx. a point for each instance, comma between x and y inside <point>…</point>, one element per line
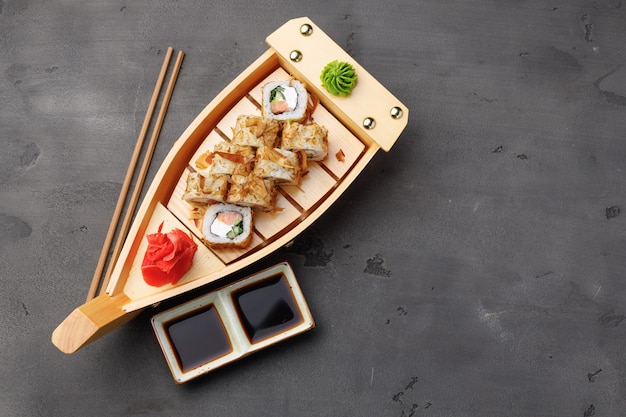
<point>199,338</point>
<point>266,308</point>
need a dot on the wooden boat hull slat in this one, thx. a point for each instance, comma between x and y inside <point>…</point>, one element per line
<point>244,106</point>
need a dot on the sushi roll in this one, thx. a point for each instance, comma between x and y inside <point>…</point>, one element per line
<point>255,131</point>
<point>228,159</point>
<point>278,165</point>
<point>201,189</point>
<point>252,191</point>
<point>285,100</point>
<point>310,138</point>
<point>227,226</point>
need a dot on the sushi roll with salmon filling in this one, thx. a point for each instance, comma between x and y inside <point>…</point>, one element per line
<point>285,100</point>
<point>227,226</point>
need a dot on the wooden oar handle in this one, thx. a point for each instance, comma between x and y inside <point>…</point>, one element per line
<point>91,321</point>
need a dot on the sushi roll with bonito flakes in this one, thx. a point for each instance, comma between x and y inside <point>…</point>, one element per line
<point>226,159</point>
<point>310,138</point>
<point>285,100</point>
<point>278,165</point>
<point>252,191</point>
<point>205,189</point>
<point>255,131</point>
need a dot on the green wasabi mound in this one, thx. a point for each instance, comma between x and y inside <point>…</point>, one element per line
<point>338,78</point>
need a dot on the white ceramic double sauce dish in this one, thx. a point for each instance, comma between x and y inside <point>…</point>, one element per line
<point>236,320</point>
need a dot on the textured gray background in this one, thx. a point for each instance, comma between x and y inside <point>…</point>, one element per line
<point>477,269</point>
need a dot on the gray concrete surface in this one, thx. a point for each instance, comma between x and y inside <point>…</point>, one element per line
<point>477,269</point>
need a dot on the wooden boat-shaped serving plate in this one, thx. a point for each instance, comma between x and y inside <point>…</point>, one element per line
<point>369,119</point>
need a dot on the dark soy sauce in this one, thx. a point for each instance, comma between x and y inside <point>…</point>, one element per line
<point>199,338</point>
<point>267,308</point>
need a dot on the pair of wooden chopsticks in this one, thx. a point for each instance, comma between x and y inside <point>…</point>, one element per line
<point>97,277</point>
